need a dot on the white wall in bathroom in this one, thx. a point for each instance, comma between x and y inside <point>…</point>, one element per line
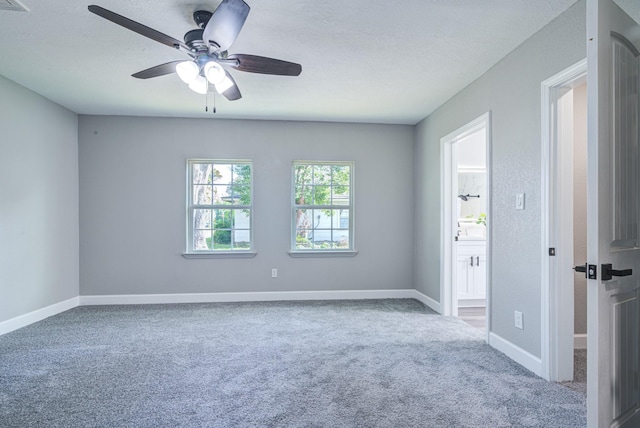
<point>472,183</point>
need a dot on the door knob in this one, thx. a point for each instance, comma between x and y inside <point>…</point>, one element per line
<point>608,272</point>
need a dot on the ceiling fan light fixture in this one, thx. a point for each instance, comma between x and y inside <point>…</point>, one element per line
<point>187,71</point>
<point>224,85</point>
<point>199,85</point>
<point>208,48</point>
<point>214,72</point>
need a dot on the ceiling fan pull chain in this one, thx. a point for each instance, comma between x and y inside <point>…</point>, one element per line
<point>214,102</point>
<point>206,102</point>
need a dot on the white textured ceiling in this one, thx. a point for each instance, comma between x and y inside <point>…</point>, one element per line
<point>362,61</point>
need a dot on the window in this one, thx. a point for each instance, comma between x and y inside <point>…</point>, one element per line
<point>219,206</point>
<point>322,207</point>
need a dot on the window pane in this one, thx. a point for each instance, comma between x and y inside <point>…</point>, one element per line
<point>201,240</point>
<point>242,174</point>
<point>302,240</point>
<point>341,239</point>
<point>241,219</point>
<point>340,195</point>
<point>222,195</point>
<point>321,174</point>
<point>202,219</point>
<point>303,175</point>
<point>202,195</point>
<point>303,219</point>
<point>222,173</point>
<point>321,195</point>
<point>322,219</point>
<point>321,236</point>
<point>304,195</point>
<point>343,219</point>
<point>222,219</point>
<point>222,239</point>
<point>241,195</point>
<point>341,175</point>
<point>201,173</point>
<point>340,182</point>
<point>241,239</point>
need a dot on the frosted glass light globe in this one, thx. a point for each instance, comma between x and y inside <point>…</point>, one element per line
<point>224,85</point>
<point>214,72</point>
<point>187,71</point>
<point>199,85</point>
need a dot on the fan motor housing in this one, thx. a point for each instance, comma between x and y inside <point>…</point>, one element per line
<point>202,17</point>
<point>193,36</point>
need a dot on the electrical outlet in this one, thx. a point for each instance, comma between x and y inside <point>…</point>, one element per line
<point>274,273</point>
<point>519,320</point>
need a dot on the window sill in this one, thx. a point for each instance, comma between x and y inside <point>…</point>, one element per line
<point>322,253</point>
<point>221,255</point>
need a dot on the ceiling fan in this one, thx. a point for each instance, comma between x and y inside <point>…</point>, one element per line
<point>207,46</point>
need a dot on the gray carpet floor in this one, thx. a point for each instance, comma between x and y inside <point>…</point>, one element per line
<point>389,363</point>
<point>579,372</point>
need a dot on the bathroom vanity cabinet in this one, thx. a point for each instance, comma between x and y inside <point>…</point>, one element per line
<point>471,273</point>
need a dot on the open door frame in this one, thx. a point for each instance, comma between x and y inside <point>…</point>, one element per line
<point>557,231</point>
<point>449,220</point>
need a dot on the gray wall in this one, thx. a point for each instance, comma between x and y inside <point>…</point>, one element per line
<point>38,202</point>
<point>511,91</point>
<point>133,191</point>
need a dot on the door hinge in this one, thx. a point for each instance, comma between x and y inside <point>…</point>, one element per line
<point>552,252</point>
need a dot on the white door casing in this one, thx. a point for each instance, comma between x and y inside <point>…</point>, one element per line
<point>557,286</point>
<point>449,263</point>
<point>613,396</point>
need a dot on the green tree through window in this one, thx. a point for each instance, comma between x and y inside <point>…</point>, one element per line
<point>323,194</point>
<point>220,205</point>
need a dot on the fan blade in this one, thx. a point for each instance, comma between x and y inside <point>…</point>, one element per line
<point>158,70</point>
<point>137,27</point>
<point>232,93</point>
<point>225,24</point>
<point>263,65</point>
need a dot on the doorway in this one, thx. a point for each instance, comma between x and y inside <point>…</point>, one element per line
<point>564,225</point>
<point>465,285</point>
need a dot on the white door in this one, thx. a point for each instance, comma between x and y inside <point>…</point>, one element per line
<point>613,397</point>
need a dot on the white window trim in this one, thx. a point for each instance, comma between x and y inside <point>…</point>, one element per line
<point>351,251</point>
<point>212,254</point>
<point>322,253</point>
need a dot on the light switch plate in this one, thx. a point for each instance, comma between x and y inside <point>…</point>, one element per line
<point>520,201</point>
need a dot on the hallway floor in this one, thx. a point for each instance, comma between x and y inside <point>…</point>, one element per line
<point>476,317</point>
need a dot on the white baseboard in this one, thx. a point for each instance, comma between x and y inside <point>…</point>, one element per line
<point>145,299</point>
<point>37,315</point>
<point>516,353</point>
<point>472,303</point>
<point>427,300</point>
<point>579,341</point>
